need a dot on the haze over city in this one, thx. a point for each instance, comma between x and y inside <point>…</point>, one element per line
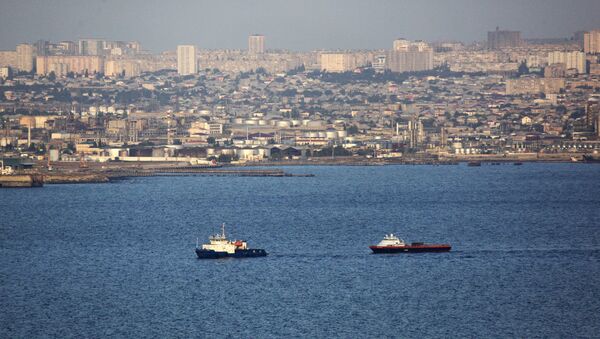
<point>293,25</point>
<point>299,169</point>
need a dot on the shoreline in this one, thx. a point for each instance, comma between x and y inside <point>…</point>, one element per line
<point>67,173</point>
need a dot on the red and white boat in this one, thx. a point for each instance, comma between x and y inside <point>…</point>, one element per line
<point>393,244</point>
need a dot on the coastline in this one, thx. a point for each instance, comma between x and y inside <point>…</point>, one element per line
<point>68,173</point>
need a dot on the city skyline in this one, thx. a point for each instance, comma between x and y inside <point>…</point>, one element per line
<point>291,26</point>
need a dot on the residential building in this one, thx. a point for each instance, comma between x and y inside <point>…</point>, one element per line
<point>186,60</point>
<point>591,42</point>
<point>25,57</point>
<point>69,63</point>
<point>571,60</point>
<point>503,39</point>
<point>337,62</point>
<point>9,58</point>
<point>91,46</point>
<point>534,85</point>
<point>408,56</point>
<point>127,68</point>
<point>256,44</point>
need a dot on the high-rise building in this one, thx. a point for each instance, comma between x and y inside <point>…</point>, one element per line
<point>591,42</point>
<point>91,46</point>
<point>66,48</point>
<point>409,56</point>
<point>41,47</point>
<point>592,111</point>
<point>571,60</point>
<point>9,58</point>
<point>401,45</point>
<point>256,44</point>
<point>503,39</point>
<point>186,60</point>
<point>337,62</point>
<point>578,38</point>
<point>25,57</point>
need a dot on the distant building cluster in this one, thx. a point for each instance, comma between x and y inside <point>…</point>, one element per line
<point>101,100</point>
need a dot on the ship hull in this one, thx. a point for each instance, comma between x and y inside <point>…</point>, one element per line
<point>249,253</point>
<point>411,248</point>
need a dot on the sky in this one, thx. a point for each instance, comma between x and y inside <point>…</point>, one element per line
<point>293,25</point>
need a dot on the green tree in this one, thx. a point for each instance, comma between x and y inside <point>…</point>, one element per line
<point>352,130</point>
<point>523,69</point>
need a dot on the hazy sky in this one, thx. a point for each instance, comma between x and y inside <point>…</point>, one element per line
<point>295,25</point>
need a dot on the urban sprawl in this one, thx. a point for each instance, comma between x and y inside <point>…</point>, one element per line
<point>104,102</point>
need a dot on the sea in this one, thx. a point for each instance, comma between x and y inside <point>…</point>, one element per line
<point>117,259</point>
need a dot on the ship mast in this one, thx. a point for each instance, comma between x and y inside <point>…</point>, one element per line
<point>223,230</point>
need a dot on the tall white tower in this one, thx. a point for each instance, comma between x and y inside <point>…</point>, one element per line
<point>256,44</point>
<point>187,62</point>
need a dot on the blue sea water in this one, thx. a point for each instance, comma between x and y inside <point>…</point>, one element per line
<point>117,260</point>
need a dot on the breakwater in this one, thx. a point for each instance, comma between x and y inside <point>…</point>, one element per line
<point>21,180</point>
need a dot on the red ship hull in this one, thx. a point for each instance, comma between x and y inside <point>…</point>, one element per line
<point>411,248</point>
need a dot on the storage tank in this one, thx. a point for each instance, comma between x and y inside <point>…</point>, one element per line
<point>283,123</point>
<point>251,122</point>
<point>322,135</point>
<point>296,122</point>
<point>262,122</point>
<point>342,134</point>
<point>53,154</point>
<point>315,123</point>
<point>238,121</point>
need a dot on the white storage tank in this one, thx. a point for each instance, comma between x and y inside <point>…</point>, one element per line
<point>283,123</point>
<point>53,154</point>
<point>342,134</point>
<point>315,123</point>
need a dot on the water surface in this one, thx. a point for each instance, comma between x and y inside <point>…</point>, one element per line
<point>96,260</point>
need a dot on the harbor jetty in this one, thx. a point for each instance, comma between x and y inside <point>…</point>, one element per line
<point>70,176</point>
